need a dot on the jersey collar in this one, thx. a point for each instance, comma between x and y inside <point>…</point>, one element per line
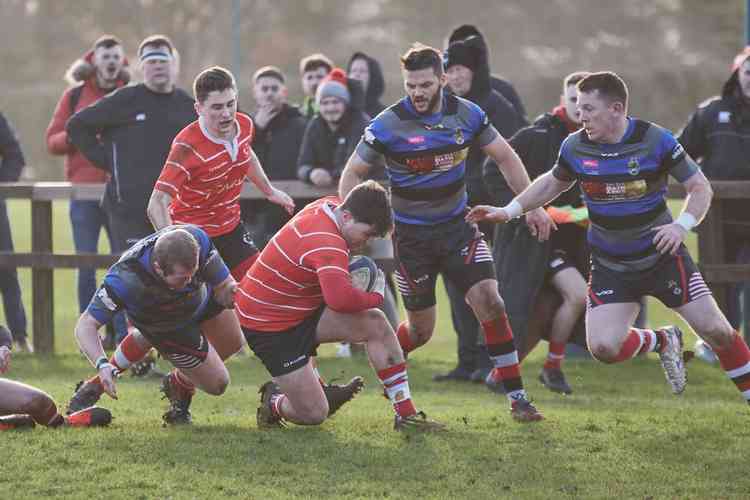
<point>232,146</point>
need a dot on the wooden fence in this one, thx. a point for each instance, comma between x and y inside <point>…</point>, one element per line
<point>42,260</point>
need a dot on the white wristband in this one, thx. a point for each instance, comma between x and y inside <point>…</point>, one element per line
<point>513,209</point>
<point>686,220</point>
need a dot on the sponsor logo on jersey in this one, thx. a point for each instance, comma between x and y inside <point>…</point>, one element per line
<point>459,137</point>
<point>604,292</point>
<point>417,139</point>
<point>590,163</point>
<point>725,116</point>
<point>615,191</point>
<point>677,151</point>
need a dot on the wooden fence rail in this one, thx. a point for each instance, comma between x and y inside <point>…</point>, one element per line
<point>42,260</point>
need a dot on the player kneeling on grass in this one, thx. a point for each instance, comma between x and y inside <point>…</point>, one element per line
<point>299,294</point>
<point>178,292</point>
<point>24,406</point>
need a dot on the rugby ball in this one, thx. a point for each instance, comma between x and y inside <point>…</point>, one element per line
<point>364,272</point>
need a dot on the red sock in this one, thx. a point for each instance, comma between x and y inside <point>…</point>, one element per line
<point>276,401</point>
<point>238,271</point>
<point>735,360</point>
<point>396,384</point>
<point>555,355</point>
<point>498,336</point>
<point>183,384</point>
<point>50,416</point>
<point>402,333</point>
<point>128,352</point>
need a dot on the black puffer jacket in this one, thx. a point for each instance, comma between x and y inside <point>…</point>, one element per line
<point>11,156</point>
<point>376,86</point>
<point>501,85</point>
<point>277,146</point>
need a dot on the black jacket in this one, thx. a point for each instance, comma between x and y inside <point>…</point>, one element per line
<point>520,259</point>
<point>323,148</point>
<point>277,146</point>
<point>376,86</point>
<point>501,85</point>
<point>500,112</point>
<point>129,133</point>
<point>11,156</point>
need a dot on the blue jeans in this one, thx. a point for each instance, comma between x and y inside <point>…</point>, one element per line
<point>87,219</point>
<point>9,286</point>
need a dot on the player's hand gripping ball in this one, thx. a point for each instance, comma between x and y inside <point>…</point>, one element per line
<point>364,273</point>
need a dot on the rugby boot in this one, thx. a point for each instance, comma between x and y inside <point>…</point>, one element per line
<point>554,380</point>
<point>672,359</point>
<point>523,411</point>
<point>90,417</point>
<point>9,422</point>
<point>146,368</point>
<point>179,402</point>
<point>87,393</point>
<point>265,417</point>
<point>339,395</point>
<point>417,423</point>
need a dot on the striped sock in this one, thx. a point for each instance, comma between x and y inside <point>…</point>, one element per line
<point>735,360</point>
<point>276,401</point>
<point>555,355</point>
<point>396,384</point>
<point>498,336</point>
<point>129,351</point>
<point>183,384</point>
<point>50,417</point>
<point>402,333</point>
<point>639,341</point>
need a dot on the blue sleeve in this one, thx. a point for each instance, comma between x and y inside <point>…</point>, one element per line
<point>564,169</point>
<point>674,159</point>
<point>212,268</point>
<point>108,299</point>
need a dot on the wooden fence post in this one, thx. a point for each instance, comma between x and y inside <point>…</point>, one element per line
<point>42,279</point>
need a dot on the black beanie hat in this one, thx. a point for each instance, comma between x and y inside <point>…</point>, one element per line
<point>461,53</point>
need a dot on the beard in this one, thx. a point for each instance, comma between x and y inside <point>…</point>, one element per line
<point>432,104</point>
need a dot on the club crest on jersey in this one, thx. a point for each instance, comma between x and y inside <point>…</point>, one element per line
<point>459,137</point>
<point>633,166</point>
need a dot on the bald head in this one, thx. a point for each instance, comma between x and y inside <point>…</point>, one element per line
<point>176,247</point>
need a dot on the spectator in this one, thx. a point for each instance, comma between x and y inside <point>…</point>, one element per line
<point>503,86</point>
<point>103,69</point>
<point>312,70</point>
<point>128,133</point>
<point>330,137</point>
<point>367,70</point>
<point>11,164</point>
<point>524,264</point>
<point>718,136</point>
<point>468,76</point>
<point>279,127</point>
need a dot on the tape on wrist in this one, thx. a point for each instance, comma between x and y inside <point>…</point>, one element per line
<point>686,220</point>
<point>513,209</point>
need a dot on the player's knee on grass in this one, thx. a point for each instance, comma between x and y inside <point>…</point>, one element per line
<point>311,411</point>
<point>219,385</point>
<point>37,404</point>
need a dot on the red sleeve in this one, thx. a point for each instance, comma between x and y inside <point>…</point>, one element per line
<point>57,137</point>
<point>341,296</point>
<point>176,170</point>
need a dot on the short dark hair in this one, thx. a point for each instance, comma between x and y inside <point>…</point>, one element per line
<point>107,42</point>
<point>315,61</point>
<point>574,78</point>
<point>610,86</point>
<point>176,246</point>
<point>421,56</point>
<point>155,41</point>
<point>268,71</point>
<point>370,203</point>
<point>212,79</point>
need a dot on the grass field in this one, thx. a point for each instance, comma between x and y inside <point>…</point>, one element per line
<point>620,435</point>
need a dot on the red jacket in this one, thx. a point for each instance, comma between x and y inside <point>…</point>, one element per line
<point>77,168</point>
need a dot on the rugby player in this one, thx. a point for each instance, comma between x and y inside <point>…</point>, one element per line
<point>425,139</point>
<point>22,405</point>
<point>299,294</point>
<point>178,293</point>
<point>622,164</point>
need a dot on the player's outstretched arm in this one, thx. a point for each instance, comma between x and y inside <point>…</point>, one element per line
<point>257,176</point>
<point>543,190</point>
<point>699,193</point>
<point>158,209</point>
<point>354,173</point>
<point>87,336</point>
